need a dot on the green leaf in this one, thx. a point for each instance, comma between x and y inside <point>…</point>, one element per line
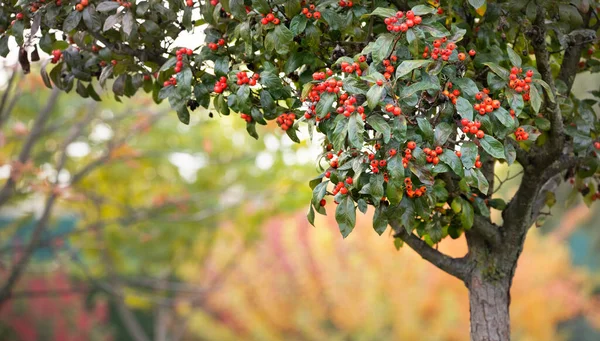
<point>345,215</point>
<point>467,216</point>
<point>298,24</point>
<point>499,70</point>
<point>356,128</point>
<point>383,47</point>
<point>380,125</point>
<point>510,152</point>
<point>323,107</point>
<point>355,86</point>
<point>442,132</point>
<point>407,216</point>
<point>467,86</point>
<point>112,20</point>
<point>376,186</point>
<point>4,50</point>
<point>409,65</point>
<point>546,88</point>
<point>271,80</point>
<point>251,129</point>
<point>283,40</point>
<point>516,102</point>
<point>492,146</point>
<point>477,4</point>
<point>423,9</point>
<point>92,20</point>
<point>515,59</point>
<point>535,99</point>
<point>542,123</point>
<point>311,215</point>
<point>504,117</point>
<point>427,84</point>
<point>449,157</point>
<point>319,193</point>
<point>374,96</point>
<point>71,21</point>
<point>468,155</point>
<point>107,6</point>
<point>339,134</point>
<point>464,108</point>
<point>380,220</point>
<point>384,12</point>
<point>482,183</point>
<point>425,127</point>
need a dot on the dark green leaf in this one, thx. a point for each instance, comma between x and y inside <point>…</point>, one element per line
<point>71,21</point>
<point>449,157</point>
<point>380,125</point>
<point>469,153</point>
<point>442,132</point>
<point>492,147</point>
<point>345,215</point>
<point>409,65</point>
<point>380,221</point>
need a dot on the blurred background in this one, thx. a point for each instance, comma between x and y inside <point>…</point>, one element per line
<point>150,230</point>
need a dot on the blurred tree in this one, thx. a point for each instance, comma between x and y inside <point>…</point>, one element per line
<point>147,194</point>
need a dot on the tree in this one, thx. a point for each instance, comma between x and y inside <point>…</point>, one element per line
<point>416,103</point>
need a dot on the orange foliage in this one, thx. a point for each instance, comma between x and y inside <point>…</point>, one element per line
<point>304,283</point>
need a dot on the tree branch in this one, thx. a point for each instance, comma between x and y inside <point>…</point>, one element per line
<point>487,230</point>
<point>36,132</point>
<point>457,267</point>
<point>538,36</point>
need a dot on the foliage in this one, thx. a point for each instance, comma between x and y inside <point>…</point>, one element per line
<point>343,71</point>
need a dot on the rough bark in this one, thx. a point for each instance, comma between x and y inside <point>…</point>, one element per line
<point>489,307</point>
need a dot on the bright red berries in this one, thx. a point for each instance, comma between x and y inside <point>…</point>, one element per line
<point>56,55</point>
<point>487,104</point>
<point>286,121</point>
<point>521,134</point>
<point>246,117</point>
<point>400,23</point>
<point>220,85</point>
<point>472,53</point>
<point>472,127</point>
<point>411,145</point>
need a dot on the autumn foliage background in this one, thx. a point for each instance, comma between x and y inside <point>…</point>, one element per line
<point>205,229</point>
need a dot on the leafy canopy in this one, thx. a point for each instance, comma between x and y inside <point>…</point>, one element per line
<point>413,99</point>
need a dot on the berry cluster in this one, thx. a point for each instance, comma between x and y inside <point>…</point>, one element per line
<point>409,189</point>
<point>521,134</point>
<point>242,78</point>
<point>401,23</point>
<point>270,18</point>
<point>520,85</point>
<point>472,127</point>
<point>221,85</point>
<point>487,104</point>
<point>376,164</point>
<point>180,53</point>
<point>432,154</point>
<point>310,12</point>
<point>81,5</point>
<point>246,117</point>
<point>389,68</point>
<point>171,81</point>
<point>410,146</point>
<point>56,55</point>
<point>344,3</point>
<point>286,121</point>
<point>396,111</point>
<point>331,85</point>
<point>452,95</point>
<point>215,46</point>
<point>350,68</point>
<point>347,107</point>
<point>341,187</point>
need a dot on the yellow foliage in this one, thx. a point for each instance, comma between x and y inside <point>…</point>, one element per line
<point>305,283</point>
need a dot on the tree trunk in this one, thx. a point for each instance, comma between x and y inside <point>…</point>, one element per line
<point>489,300</point>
